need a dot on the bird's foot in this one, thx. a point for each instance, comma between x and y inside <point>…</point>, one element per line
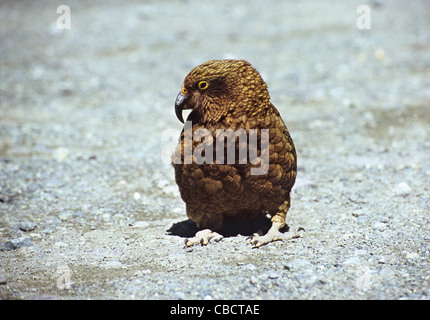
<point>273,235</point>
<point>203,237</point>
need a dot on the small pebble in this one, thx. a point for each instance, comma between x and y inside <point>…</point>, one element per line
<point>17,243</point>
<point>412,255</point>
<point>64,216</point>
<point>352,261</point>
<point>386,272</point>
<point>60,154</point>
<point>250,266</point>
<point>35,236</point>
<point>140,224</point>
<point>402,189</point>
<point>253,280</point>
<point>297,264</point>
<point>3,279</point>
<point>379,225</point>
<point>24,226</point>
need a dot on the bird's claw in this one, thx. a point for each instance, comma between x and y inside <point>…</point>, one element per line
<point>272,235</point>
<point>203,237</point>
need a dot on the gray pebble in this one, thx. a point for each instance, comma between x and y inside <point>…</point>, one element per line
<point>352,261</point>
<point>24,226</point>
<point>379,225</point>
<point>253,280</point>
<point>17,243</point>
<point>300,278</point>
<point>64,216</point>
<point>250,266</point>
<point>3,279</point>
<point>112,264</point>
<point>387,272</point>
<point>296,264</point>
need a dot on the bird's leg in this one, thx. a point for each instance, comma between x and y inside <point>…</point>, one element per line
<point>203,237</point>
<point>278,221</point>
<point>273,235</point>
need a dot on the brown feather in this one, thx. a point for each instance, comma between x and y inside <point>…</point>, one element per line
<point>236,98</point>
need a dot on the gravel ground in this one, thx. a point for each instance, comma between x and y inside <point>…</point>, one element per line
<point>88,204</point>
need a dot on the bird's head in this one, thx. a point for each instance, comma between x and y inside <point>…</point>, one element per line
<point>219,87</point>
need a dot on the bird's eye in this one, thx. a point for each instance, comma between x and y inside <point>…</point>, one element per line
<point>184,91</point>
<point>203,85</point>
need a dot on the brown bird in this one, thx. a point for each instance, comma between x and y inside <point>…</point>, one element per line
<point>235,158</point>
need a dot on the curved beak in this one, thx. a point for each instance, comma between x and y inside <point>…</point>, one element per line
<point>180,101</point>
